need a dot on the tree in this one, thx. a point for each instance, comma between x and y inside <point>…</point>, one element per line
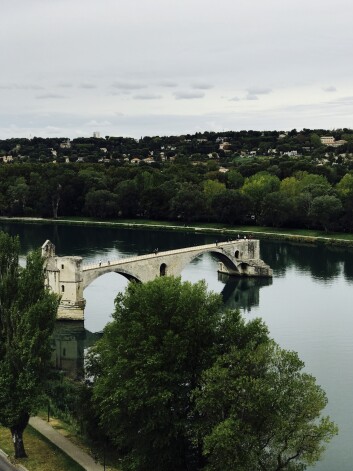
<point>324,209</point>
<point>27,316</point>
<point>149,360</point>
<point>257,187</point>
<point>101,204</point>
<point>188,204</point>
<point>261,412</point>
<point>179,384</point>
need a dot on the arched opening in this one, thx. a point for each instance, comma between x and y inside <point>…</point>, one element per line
<point>163,270</point>
<point>236,254</point>
<point>100,295</point>
<point>244,268</point>
<point>62,288</point>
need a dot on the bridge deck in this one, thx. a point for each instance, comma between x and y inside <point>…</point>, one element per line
<point>121,261</point>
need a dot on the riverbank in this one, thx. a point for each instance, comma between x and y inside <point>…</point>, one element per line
<point>291,235</point>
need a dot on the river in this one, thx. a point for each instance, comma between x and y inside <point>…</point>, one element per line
<point>307,305</point>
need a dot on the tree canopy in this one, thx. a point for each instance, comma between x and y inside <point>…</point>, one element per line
<point>181,384</point>
<point>27,316</point>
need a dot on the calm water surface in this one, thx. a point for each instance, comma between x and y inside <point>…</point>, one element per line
<point>307,306</point>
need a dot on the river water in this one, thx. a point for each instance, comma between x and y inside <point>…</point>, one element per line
<point>307,305</point>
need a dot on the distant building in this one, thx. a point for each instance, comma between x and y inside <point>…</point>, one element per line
<point>330,141</point>
<point>96,134</point>
<point>339,143</point>
<point>327,140</point>
<point>66,144</point>
<point>7,158</point>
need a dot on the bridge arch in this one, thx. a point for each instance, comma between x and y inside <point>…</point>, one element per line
<point>217,253</point>
<point>89,277</point>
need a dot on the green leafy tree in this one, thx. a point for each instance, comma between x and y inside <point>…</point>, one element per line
<point>182,385</point>
<point>188,204</point>
<point>325,209</point>
<point>230,206</point>
<point>257,187</point>
<point>149,361</point>
<point>101,204</point>
<point>27,316</point>
<point>261,412</point>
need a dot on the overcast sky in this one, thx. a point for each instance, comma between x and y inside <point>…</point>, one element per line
<point>157,67</point>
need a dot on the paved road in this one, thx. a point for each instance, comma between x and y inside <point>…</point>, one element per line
<point>5,465</point>
<point>78,455</point>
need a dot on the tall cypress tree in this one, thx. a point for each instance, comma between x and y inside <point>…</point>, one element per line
<point>27,316</point>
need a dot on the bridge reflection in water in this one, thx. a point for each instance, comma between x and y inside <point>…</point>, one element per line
<point>242,293</point>
<point>70,339</point>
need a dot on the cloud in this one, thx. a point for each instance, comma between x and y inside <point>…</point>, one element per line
<point>128,85</point>
<point>147,96</point>
<point>259,91</point>
<point>17,86</point>
<point>330,89</point>
<point>202,86</point>
<point>96,123</point>
<point>47,96</point>
<point>65,84</point>
<point>235,98</point>
<point>168,84</point>
<point>251,97</point>
<point>87,85</point>
<point>53,129</point>
<point>188,95</point>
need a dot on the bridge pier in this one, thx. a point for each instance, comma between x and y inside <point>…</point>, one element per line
<point>68,277</point>
<point>64,277</point>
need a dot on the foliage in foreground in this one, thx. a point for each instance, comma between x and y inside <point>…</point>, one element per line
<point>27,316</point>
<point>181,385</point>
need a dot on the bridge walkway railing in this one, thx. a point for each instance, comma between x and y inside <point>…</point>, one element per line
<point>122,261</point>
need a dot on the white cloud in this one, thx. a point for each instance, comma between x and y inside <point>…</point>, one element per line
<point>87,85</point>
<point>240,51</point>
<point>330,89</point>
<point>258,91</point>
<point>128,85</point>
<point>50,96</point>
<point>147,96</point>
<point>251,97</point>
<point>202,86</point>
<point>187,95</point>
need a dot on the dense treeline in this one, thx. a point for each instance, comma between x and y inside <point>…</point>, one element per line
<point>266,178</point>
<point>263,191</point>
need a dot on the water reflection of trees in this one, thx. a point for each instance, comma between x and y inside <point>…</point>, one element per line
<point>321,262</point>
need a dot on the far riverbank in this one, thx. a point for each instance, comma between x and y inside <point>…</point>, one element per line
<point>291,235</point>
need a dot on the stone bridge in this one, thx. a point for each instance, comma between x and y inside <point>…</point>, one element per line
<point>68,276</point>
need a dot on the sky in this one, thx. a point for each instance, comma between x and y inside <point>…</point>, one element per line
<point>169,67</point>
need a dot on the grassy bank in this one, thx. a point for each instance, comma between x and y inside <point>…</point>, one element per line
<point>42,455</point>
<point>293,235</point>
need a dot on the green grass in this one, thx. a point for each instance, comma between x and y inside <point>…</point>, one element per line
<point>71,432</point>
<point>42,455</point>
